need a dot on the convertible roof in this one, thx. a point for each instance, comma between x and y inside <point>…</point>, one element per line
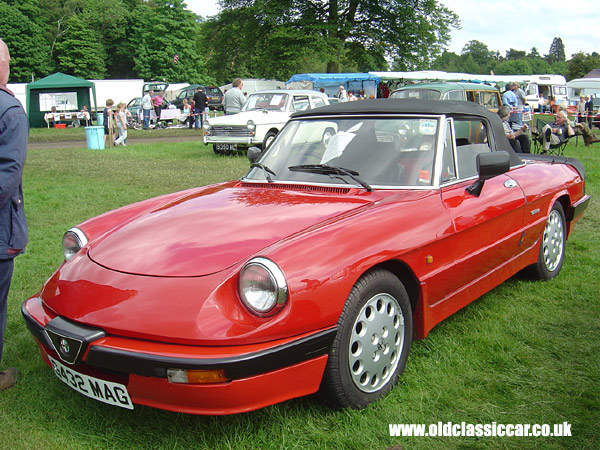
<point>419,106</point>
<point>401,106</point>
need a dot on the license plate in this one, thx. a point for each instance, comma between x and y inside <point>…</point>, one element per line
<point>104,391</point>
<point>226,147</point>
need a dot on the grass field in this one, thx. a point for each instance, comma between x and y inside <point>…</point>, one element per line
<point>527,352</point>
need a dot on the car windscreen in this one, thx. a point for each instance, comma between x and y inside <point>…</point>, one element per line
<point>429,94</point>
<point>380,151</point>
<point>268,101</point>
<point>213,91</point>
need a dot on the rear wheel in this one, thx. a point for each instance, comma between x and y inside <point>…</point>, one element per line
<point>372,344</point>
<point>552,247</point>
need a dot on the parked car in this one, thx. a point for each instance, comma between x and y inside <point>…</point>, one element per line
<point>361,227</point>
<point>482,94</point>
<point>213,93</point>
<point>259,121</point>
<point>135,105</point>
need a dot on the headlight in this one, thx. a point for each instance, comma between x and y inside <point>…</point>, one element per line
<point>251,125</point>
<point>73,240</point>
<point>206,125</point>
<point>262,287</point>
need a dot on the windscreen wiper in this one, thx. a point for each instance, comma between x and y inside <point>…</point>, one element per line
<point>331,170</point>
<point>265,169</point>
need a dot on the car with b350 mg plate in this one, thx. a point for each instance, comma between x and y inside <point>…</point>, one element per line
<point>259,121</point>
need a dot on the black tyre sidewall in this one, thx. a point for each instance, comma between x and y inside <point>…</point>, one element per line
<point>339,388</point>
<point>541,271</point>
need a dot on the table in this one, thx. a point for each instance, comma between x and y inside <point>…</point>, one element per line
<point>65,116</point>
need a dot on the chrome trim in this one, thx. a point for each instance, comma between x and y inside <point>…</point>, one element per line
<point>280,281</point>
<point>81,237</point>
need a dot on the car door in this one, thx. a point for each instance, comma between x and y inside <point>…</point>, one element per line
<point>487,227</point>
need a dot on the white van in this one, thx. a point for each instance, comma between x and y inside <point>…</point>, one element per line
<point>584,86</point>
<point>549,85</point>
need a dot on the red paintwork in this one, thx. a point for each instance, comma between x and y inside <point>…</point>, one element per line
<point>190,246</point>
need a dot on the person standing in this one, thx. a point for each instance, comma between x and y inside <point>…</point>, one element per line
<point>589,110</point>
<point>509,98</point>
<point>146,109</point>
<point>121,118</point>
<point>581,109</point>
<point>14,133</point>
<point>342,95</point>
<point>108,126</point>
<point>234,98</point>
<point>521,101</point>
<point>200,102</point>
<point>157,102</point>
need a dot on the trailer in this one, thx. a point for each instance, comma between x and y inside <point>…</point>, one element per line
<point>584,86</point>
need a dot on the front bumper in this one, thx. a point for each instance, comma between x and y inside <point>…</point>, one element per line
<point>258,374</point>
<point>240,141</point>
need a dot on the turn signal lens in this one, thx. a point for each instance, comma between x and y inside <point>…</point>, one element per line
<point>196,376</point>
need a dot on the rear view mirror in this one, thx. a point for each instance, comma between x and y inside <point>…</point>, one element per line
<point>253,154</point>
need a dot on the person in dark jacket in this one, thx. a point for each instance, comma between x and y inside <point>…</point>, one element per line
<point>14,132</point>
<point>200,104</point>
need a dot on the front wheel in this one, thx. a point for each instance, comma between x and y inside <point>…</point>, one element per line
<point>552,247</point>
<point>372,343</point>
<point>269,138</point>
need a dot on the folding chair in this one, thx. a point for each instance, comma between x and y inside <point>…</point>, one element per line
<point>554,149</point>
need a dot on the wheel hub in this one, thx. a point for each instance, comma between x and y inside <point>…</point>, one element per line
<point>553,241</point>
<point>376,343</point>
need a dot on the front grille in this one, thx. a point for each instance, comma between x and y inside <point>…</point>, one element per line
<point>230,130</point>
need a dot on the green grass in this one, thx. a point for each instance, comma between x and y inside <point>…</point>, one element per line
<point>78,134</point>
<point>527,352</point>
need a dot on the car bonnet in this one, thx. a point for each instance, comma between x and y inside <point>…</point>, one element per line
<point>211,230</point>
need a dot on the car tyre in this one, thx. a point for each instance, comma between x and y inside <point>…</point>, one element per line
<point>269,138</point>
<point>552,246</point>
<point>372,343</point>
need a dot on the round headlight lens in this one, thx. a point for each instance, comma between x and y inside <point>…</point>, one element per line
<point>73,241</point>
<point>262,287</point>
<point>206,125</point>
<point>251,125</point>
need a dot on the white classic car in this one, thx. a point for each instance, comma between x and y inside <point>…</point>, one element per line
<point>259,121</point>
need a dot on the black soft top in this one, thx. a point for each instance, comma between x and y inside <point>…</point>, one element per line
<point>451,108</point>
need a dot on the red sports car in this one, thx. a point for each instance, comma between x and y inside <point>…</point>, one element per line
<point>357,230</point>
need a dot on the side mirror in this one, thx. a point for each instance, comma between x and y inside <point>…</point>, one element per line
<point>489,165</point>
<point>253,154</point>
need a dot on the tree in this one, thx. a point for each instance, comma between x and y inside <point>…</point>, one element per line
<point>513,54</point>
<point>78,55</point>
<point>557,51</point>
<point>581,63</point>
<point>113,31</point>
<point>411,32</point>
<point>29,50</point>
<point>513,67</point>
<point>160,31</point>
<point>480,52</point>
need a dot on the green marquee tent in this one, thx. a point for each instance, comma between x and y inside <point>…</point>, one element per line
<point>58,86</point>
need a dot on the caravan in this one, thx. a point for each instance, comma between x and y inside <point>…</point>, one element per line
<point>548,85</point>
<point>584,86</point>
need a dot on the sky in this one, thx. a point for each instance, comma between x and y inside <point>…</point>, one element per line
<point>502,24</point>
